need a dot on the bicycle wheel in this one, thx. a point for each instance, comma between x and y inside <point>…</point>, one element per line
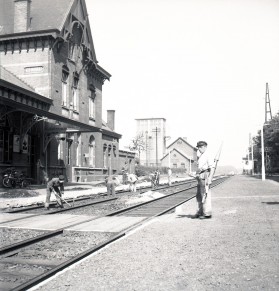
<point>7,182</point>
<point>25,183</point>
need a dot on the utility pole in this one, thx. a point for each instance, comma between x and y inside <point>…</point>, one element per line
<point>190,164</point>
<point>252,152</point>
<point>156,130</point>
<point>146,135</point>
<point>169,151</point>
<point>263,162</point>
<point>267,103</point>
<point>267,110</point>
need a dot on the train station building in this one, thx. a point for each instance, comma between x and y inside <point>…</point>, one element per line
<point>51,84</point>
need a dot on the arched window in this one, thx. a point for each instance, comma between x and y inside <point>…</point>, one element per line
<point>105,155</point>
<point>7,141</point>
<point>75,41</point>
<point>114,157</point>
<point>92,151</point>
<point>92,101</point>
<point>65,86</point>
<point>109,164</point>
<point>78,141</point>
<point>75,91</point>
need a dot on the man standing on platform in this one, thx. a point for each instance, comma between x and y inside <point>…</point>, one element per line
<point>55,185</point>
<point>204,176</point>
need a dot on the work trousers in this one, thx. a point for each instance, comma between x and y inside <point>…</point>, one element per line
<point>204,208</point>
<point>110,188</point>
<point>124,179</point>
<point>133,187</point>
<point>58,196</point>
<point>169,180</point>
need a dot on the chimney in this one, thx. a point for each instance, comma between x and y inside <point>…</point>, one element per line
<point>21,15</point>
<point>110,118</point>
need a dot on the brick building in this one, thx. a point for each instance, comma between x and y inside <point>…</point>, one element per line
<point>180,154</point>
<point>51,93</point>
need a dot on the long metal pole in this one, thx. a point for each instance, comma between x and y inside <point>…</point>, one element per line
<point>252,151</point>
<point>146,147</point>
<point>263,163</point>
<point>169,158</point>
<point>156,148</point>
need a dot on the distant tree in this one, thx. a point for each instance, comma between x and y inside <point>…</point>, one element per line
<point>271,144</point>
<point>137,144</point>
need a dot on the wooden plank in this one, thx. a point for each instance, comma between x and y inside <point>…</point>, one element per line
<point>107,224</point>
<point>11,216</point>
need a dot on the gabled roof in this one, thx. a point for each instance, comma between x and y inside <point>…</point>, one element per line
<point>108,131</point>
<point>55,18</point>
<point>45,14</point>
<point>13,79</point>
<point>180,152</point>
<point>182,139</point>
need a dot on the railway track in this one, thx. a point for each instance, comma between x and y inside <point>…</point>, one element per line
<point>92,210</point>
<point>27,263</point>
<point>81,201</point>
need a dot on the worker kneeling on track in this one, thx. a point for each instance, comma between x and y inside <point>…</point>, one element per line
<point>55,185</point>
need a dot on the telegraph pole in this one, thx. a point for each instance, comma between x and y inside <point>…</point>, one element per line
<point>267,111</point>
<point>146,134</point>
<point>262,144</point>
<point>156,130</point>
<point>267,103</point>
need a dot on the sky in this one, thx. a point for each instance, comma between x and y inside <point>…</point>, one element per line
<point>202,65</point>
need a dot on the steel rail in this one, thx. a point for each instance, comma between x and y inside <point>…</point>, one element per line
<point>22,209</point>
<point>41,237</point>
<point>38,279</point>
<point>78,206</point>
<point>36,239</point>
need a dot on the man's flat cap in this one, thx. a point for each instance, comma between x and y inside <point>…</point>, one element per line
<point>201,143</point>
<point>61,178</point>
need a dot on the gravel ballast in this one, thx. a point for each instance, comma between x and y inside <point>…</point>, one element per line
<point>235,250</point>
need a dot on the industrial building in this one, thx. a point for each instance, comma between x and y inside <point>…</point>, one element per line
<point>153,133</point>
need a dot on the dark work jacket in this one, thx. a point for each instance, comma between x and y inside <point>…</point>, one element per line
<point>54,183</point>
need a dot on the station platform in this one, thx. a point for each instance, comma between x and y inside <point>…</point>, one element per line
<point>237,249</point>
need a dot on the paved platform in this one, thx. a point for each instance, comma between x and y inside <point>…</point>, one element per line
<point>235,250</point>
<point>42,222</point>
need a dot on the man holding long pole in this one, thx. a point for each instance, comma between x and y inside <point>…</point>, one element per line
<point>204,176</point>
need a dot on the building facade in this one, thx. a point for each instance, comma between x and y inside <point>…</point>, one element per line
<point>153,133</point>
<point>51,93</point>
<point>180,154</point>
